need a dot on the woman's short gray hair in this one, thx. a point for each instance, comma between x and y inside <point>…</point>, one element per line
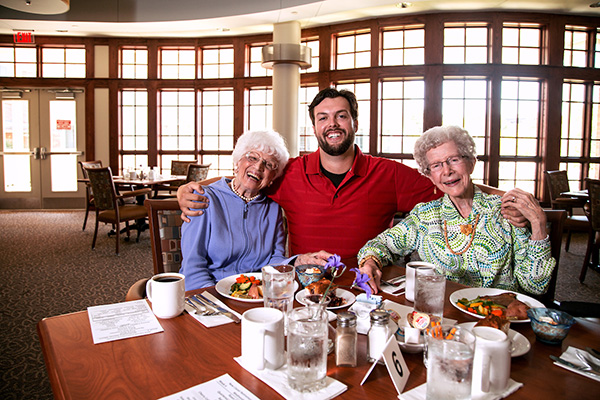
<point>269,142</point>
<point>439,135</point>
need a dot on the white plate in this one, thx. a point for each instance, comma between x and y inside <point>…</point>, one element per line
<point>472,293</point>
<point>224,287</point>
<point>519,343</point>
<point>343,293</point>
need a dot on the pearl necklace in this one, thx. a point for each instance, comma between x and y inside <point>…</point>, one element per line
<point>241,196</point>
<point>468,229</point>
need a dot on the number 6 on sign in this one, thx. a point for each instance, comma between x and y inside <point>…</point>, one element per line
<point>396,366</point>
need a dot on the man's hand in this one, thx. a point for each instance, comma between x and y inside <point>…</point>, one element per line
<point>319,258</point>
<point>370,268</point>
<point>189,201</point>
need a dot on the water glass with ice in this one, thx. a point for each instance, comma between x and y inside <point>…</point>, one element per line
<point>450,352</point>
<point>307,349</point>
<point>430,288</point>
<point>278,287</point>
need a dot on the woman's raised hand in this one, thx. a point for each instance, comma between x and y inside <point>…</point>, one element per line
<point>529,206</point>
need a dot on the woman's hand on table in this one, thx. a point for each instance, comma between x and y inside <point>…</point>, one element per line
<point>370,268</point>
<point>319,258</point>
<point>190,203</point>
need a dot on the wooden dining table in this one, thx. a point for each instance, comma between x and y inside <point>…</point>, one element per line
<point>187,354</point>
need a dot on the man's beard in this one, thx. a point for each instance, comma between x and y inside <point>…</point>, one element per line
<point>338,149</point>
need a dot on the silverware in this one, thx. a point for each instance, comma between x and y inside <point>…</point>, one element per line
<point>202,310</point>
<point>394,281</point>
<point>593,352</point>
<point>217,307</point>
<point>574,366</point>
<point>587,362</point>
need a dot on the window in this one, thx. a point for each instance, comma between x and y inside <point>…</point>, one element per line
<point>216,129</point>
<point>575,47</point>
<point>353,50</point>
<point>308,141</point>
<point>466,44</point>
<point>177,123</point>
<point>519,133</point>
<point>521,44</point>
<point>403,46</point>
<point>571,143</point>
<point>465,103</point>
<point>134,63</point>
<point>177,63</point>
<point>216,63</point>
<point>362,90</point>
<point>63,62</point>
<point>401,115</point>
<point>18,62</point>
<point>313,44</point>
<point>597,52</point>
<point>255,67</point>
<point>260,109</point>
<point>134,128</point>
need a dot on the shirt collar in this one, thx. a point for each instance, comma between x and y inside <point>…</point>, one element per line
<point>359,166</point>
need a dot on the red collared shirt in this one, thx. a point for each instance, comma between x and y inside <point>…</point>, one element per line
<point>341,220</point>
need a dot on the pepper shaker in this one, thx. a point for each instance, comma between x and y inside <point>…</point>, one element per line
<point>345,340</point>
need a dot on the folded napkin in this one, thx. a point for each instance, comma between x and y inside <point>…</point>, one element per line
<point>391,289</point>
<point>363,319</point>
<point>278,381</point>
<point>420,392</point>
<point>213,320</point>
<point>570,355</point>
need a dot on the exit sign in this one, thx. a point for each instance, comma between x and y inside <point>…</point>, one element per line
<point>24,37</point>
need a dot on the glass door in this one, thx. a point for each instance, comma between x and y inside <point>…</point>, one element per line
<point>42,140</point>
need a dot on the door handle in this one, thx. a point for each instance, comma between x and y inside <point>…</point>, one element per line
<point>44,154</point>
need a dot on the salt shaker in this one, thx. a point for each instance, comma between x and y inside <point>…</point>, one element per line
<point>378,335</point>
<point>345,340</point>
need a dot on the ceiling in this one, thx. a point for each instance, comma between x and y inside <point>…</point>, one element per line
<point>198,18</point>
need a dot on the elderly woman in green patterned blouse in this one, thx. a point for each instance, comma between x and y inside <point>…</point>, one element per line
<point>463,233</point>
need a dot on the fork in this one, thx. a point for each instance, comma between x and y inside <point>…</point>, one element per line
<point>588,364</point>
<point>200,309</point>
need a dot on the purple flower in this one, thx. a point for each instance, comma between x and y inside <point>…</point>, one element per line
<point>361,281</point>
<point>334,261</point>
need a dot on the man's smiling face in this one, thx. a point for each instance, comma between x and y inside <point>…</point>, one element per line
<point>334,127</point>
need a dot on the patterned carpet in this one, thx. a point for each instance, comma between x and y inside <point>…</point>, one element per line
<point>48,268</point>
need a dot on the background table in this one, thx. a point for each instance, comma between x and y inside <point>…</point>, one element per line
<point>187,354</point>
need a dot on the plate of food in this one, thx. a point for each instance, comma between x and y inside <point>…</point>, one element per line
<point>519,345</point>
<point>343,298</point>
<point>244,287</point>
<point>480,302</point>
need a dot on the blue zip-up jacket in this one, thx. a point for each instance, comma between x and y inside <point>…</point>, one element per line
<point>231,237</point>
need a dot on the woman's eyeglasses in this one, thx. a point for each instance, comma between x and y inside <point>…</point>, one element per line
<point>253,158</point>
<point>451,161</point>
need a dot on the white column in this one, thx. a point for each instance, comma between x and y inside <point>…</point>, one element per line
<point>286,56</point>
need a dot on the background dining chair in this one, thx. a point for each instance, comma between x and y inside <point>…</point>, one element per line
<point>557,182</point>
<point>593,246</point>
<point>165,222</point>
<point>110,207</point>
<point>197,172</point>
<point>89,195</point>
<point>177,168</point>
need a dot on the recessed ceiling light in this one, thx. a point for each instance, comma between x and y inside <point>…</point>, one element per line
<point>403,5</point>
<point>595,5</point>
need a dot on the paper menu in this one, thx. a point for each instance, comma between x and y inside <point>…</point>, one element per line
<point>222,388</point>
<point>122,320</point>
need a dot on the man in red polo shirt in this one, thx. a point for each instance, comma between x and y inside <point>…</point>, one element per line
<point>336,198</point>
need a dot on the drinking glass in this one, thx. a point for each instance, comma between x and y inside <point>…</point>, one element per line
<point>449,362</point>
<point>430,287</point>
<point>278,287</point>
<point>307,348</point>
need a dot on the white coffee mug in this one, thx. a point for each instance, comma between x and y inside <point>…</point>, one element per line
<point>491,361</point>
<point>166,292</point>
<point>262,338</point>
<point>410,278</point>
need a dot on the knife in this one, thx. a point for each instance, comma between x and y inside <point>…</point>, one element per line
<point>571,365</point>
<point>220,309</point>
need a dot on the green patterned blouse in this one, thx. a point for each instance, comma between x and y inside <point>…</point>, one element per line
<point>500,256</point>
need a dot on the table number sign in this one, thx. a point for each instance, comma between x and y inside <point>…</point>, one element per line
<point>395,364</point>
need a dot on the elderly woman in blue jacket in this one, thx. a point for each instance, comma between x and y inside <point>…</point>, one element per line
<point>242,230</point>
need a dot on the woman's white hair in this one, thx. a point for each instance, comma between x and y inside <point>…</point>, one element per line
<point>268,142</point>
<point>439,135</point>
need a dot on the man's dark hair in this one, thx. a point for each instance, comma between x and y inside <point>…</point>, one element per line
<point>332,93</point>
